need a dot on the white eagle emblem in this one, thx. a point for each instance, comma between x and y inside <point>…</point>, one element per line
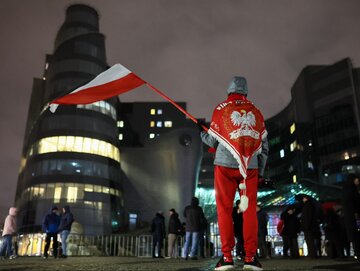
<point>246,121</point>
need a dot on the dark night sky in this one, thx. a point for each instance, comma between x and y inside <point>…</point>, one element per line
<point>188,49</point>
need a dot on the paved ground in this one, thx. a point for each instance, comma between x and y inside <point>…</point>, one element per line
<point>133,263</point>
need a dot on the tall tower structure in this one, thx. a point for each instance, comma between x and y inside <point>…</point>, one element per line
<point>72,157</point>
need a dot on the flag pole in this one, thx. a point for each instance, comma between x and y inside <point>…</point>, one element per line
<point>176,105</point>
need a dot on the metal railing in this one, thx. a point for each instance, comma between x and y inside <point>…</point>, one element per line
<point>103,245</point>
<point>125,245</point>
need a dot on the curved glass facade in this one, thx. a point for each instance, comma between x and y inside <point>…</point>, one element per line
<point>75,144</point>
<point>72,157</point>
<point>72,166</point>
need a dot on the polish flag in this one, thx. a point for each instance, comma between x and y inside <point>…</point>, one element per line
<point>114,81</point>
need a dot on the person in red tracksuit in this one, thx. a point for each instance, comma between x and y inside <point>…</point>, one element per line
<point>227,179</point>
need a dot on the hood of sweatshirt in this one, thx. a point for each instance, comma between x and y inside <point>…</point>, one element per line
<point>12,211</point>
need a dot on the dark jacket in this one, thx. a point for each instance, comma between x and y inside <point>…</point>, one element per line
<point>66,221</point>
<point>51,222</point>
<point>158,227</point>
<point>238,222</point>
<point>351,206</point>
<point>174,224</point>
<point>332,225</point>
<point>263,219</point>
<point>291,225</point>
<point>309,221</point>
<point>195,218</point>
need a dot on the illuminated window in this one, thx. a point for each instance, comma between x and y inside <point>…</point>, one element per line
<point>89,188</point>
<point>97,188</point>
<point>293,146</point>
<point>22,164</point>
<point>168,124</point>
<point>102,107</point>
<point>159,124</point>
<point>152,111</point>
<point>75,144</point>
<point>292,128</point>
<point>152,123</point>
<point>120,136</point>
<point>72,194</point>
<point>87,142</point>
<point>151,135</point>
<point>38,192</point>
<point>74,191</point>
<point>294,179</point>
<point>159,111</point>
<point>57,194</point>
<point>282,153</point>
<point>120,123</point>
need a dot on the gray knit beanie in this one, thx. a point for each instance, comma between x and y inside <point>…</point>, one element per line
<point>238,85</point>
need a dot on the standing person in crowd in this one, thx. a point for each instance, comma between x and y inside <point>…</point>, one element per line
<point>263,219</point>
<point>280,230</point>
<point>351,210</point>
<point>333,235</point>
<point>202,238</point>
<point>237,216</point>
<point>50,226</point>
<point>290,231</point>
<point>174,230</point>
<point>310,225</point>
<point>158,231</point>
<point>67,218</point>
<point>238,134</point>
<point>344,239</point>
<point>9,231</point>
<point>195,218</point>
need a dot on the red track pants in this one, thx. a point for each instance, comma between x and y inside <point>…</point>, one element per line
<point>226,184</point>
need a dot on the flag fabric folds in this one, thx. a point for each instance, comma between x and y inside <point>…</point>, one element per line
<point>239,126</point>
<point>114,81</point>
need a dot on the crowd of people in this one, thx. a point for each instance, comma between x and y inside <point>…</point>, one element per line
<point>192,229</point>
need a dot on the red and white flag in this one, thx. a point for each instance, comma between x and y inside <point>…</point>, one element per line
<point>114,81</point>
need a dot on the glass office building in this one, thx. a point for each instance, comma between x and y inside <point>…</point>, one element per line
<point>72,157</point>
<point>316,137</point>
